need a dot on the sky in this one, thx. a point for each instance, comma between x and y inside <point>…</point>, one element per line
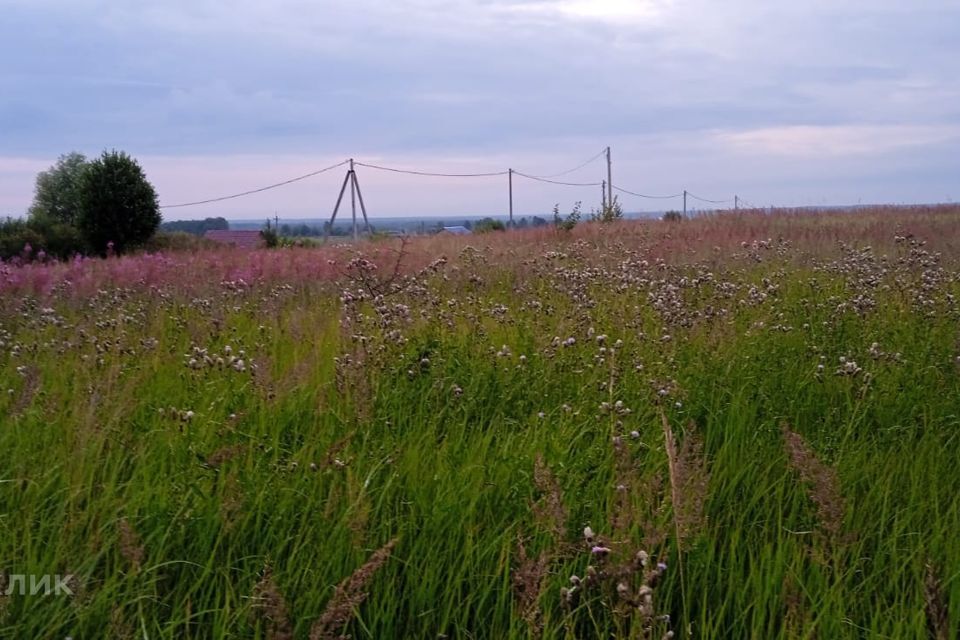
<point>785,104</point>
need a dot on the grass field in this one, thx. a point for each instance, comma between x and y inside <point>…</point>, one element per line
<point>740,426</point>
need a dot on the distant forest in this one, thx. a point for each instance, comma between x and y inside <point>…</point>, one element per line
<point>196,227</point>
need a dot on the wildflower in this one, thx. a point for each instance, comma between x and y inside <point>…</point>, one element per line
<point>588,534</point>
<point>635,434</point>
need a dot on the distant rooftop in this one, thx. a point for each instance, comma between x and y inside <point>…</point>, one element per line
<point>239,239</point>
<point>459,230</point>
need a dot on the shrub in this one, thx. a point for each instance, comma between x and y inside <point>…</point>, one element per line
<point>487,225</point>
<point>59,239</point>
<point>270,236</point>
<point>568,222</point>
<point>672,216</point>
<point>15,236</point>
<point>608,212</point>
<point>177,241</point>
<point>116,204</point>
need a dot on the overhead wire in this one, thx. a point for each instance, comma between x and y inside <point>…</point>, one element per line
<point>643,195</point>
<point>710,201</point>
<point>253,191</point>
<point>544,178</point>
<point>569,171</point>
<point>429,173</point>
<point>566,184</point>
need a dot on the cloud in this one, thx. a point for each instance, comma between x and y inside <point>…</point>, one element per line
<point>500,81</point>
<point>836,140</point>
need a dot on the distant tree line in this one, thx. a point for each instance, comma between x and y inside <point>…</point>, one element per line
<point>196,227</point>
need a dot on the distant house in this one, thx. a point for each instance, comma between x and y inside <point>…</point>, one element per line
<point>238,239</point>
<point>458,230</point>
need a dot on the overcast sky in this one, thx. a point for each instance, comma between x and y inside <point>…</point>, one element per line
<point>799,103</point>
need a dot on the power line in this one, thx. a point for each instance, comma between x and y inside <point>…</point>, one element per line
<point>566,184</point>
<point>436,175</point>
<point>252,191</point>
<point>641,195</point>
<point>576,168</point>
<point>710,201</point>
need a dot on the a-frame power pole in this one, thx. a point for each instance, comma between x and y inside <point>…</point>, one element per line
<point>355,195</point>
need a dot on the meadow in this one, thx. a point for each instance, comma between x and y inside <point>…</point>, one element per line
<point>737,426</point>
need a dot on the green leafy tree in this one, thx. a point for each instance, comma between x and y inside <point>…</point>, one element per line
<point>57,192</point>
<point>118,205</point>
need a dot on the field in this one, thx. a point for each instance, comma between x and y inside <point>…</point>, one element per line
<point>738,426</point>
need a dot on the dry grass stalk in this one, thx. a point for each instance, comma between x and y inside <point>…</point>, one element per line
<point>793,605</point>
<point>121,628</point>
<point>331,459</point>
<point>528,576</point>
<point>527,581</point>
<point>938,619</point>
<point>130,547</point>
<point>271,606</point>
<point>223,455</point>
<point>692,478</point>
<point>688,480</point>
<point>639,502</point>
<point>31,385</point>
<point>549,510</point>
<point>823,484</point>
<point>349,595</point>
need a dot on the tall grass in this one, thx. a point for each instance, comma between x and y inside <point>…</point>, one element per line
<point>526,439</point>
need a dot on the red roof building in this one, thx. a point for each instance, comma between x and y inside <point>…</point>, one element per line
<point>239,239</point>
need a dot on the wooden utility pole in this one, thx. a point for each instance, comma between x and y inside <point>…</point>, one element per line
<point>609,180</point>
<point>353,199</point>
<point>736,202</point>
<point>684,203</point>
<point>510,183</point>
